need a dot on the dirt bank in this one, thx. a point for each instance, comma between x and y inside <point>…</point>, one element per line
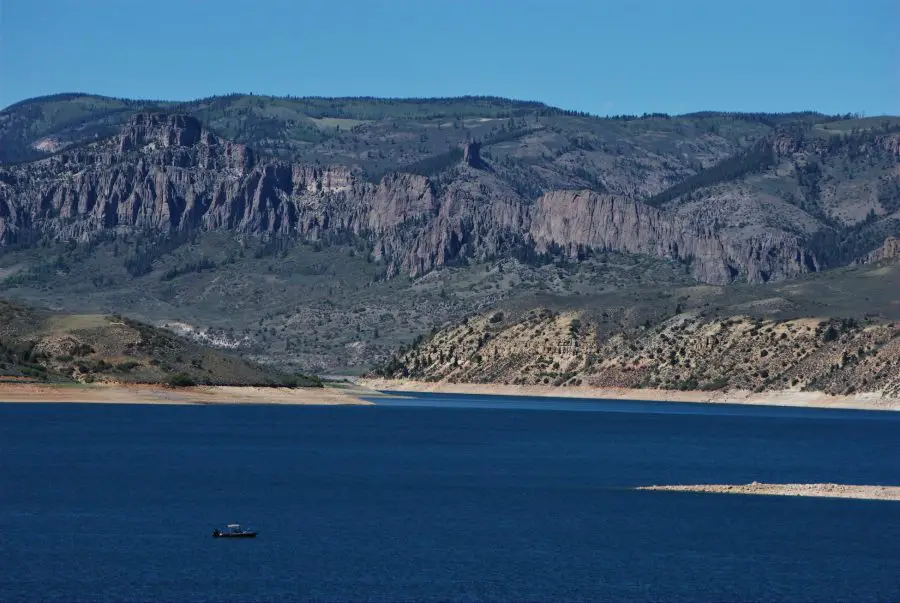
<point>819,490</point>
<point>157,394</point>
<point>773,398</point>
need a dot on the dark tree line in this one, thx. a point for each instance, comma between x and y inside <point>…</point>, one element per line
<point>756,159</point>
<point>435,164</point>
<point>431,166</point>
<point>889,194</point>
<point>773,120</point>
<point>274,246</point>
<point>591,178</point>
<point>197,266</point>
<point>839,247</point>
<point>150,248</point>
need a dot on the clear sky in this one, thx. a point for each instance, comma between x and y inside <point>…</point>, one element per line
<point>601,56</point>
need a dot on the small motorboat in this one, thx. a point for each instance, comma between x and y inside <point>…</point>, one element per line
<point>234,531</point>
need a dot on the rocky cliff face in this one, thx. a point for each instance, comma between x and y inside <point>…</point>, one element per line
<point>573,219</point>
<point>889,251</point>
<point>164,173</point>
<point>167,173</point>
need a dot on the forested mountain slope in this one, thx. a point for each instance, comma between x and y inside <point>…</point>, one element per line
<point>135,192</point>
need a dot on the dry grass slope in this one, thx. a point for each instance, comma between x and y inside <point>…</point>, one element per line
<point>46,346</point>
<point>686,352</point>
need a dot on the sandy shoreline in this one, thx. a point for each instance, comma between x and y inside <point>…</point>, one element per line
<point>815,490</point>
<point>774,398</point>
<point>114,393</point>
<point>103,393</point>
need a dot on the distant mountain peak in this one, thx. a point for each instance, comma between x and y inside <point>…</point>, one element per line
<point>755,197</point>
<point>162,130</point>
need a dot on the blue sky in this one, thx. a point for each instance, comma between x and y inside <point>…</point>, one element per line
<point>601,56</point>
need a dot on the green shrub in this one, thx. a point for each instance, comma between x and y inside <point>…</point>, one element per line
<point>574,327</point>
<point>181,380</point>
<point>82,349</point>
<point>294,381</point>
<point>718,383</point>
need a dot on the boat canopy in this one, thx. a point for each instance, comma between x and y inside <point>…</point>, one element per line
<point>234,526</point>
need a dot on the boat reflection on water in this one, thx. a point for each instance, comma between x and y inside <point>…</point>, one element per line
<point>234,531</point>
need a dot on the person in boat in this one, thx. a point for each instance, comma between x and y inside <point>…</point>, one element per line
<point>216,532</point>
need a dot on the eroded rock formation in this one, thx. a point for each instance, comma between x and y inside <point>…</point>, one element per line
<point>167,173</point>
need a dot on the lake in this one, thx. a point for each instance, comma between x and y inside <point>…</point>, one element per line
<point>442,497</point>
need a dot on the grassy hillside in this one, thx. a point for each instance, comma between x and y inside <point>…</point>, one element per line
<point>50,346</point>
<point>311,307</point>
<point>328,309</point>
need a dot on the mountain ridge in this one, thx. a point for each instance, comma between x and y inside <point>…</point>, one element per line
<point>185,177</point>
<point>461,204</point>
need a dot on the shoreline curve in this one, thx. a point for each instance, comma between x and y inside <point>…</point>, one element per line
<point>865,401</point>
<point>120,393</point>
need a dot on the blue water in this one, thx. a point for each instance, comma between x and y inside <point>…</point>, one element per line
<point>442,497</point>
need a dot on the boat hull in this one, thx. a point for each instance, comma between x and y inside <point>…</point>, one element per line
<point>239,535</point>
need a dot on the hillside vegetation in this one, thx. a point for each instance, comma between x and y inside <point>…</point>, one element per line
<point>306,307</point>
<point>321,234</point>
<point>48,346</point>
<point>780,342</point>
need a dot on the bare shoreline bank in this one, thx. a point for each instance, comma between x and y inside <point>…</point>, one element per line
<point>109,393</point>
<point>353,394</point>
<point>867,401</point>
<point>814,490</point>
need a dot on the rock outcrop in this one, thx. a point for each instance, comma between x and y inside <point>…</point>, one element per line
<point>472,155</point>
<point>890,251</point>
<point>585,219</point>
<point>685,352</point>
<point>166,173</point>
